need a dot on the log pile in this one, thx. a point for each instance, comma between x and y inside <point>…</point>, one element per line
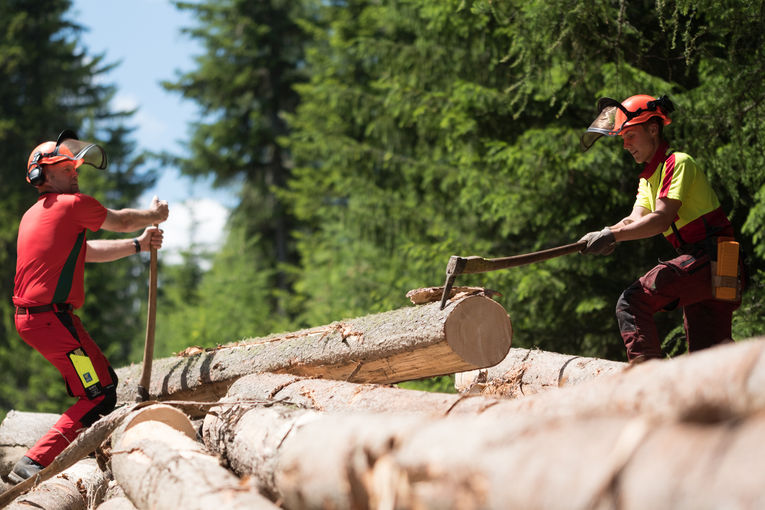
<point>311,420</point>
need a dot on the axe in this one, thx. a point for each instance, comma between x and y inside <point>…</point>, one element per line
<point>466,265</point>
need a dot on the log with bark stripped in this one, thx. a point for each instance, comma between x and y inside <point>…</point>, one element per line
<point>160,465</point>
<point>528,371</point>
<point>19,431</point>
<point>329,395</point>
<point>79,487</point>
<point>366,460</point>
<point>723,382</point>
<point>405,344</point>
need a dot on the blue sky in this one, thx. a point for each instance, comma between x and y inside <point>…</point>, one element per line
<point>144,38</point>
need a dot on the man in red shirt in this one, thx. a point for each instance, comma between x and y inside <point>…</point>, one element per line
<point>674,198</point>
<point>51,253</point>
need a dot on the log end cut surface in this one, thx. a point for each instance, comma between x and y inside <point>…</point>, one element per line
<point>479,331</point>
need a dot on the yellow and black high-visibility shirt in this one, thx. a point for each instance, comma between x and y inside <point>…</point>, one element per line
<point>676,175</point>
<point>50,261</point>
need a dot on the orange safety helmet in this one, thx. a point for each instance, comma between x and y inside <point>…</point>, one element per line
<point>66,147</point>
<point>614,117</point>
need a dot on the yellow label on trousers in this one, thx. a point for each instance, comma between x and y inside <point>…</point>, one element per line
<point>84,368</point>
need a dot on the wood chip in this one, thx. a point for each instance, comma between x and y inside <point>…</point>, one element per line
<point>433,294</point>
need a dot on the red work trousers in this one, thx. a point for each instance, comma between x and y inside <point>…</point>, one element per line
<point>61,339</point>
<point>684,281</point>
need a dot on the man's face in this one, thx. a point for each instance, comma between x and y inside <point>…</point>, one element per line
<point>61,178</point>
<point>641,141</point>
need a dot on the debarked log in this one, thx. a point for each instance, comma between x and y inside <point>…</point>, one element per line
<point>160,465</point>
<point>715,384</point>
<point>19,431</point>
<point>389,460</point>
<point>529,371</point>
<point>76,488</point>
<point>404,344</point>
<point>339,396</point>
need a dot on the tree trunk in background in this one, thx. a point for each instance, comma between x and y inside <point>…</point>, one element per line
<point>366,460</point>
<point>338,396</point>
<point>18,433</point>
<point>405,344</point>
<point>160,465</point>
<point>529,371</point>
<point>727,381</point>
<point>79,487</point>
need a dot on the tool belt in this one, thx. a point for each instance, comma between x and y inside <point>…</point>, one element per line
<point>723,253</point>
<point>55,307</point>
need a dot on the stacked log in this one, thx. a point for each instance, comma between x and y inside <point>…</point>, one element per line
<point>79,487</point>
<point>405,344</point>
<point>160,465</point>
<point>308,420</point>
<point>19,431</point>
<point>308,459</point>
<point>529,371</point>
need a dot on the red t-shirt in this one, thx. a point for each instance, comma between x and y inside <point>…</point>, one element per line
<point>50,262</point>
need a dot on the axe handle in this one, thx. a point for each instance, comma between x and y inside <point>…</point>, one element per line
<point>151,318</point>
<point>482,265</point>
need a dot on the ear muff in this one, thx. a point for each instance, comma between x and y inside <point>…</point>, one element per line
<point>35,174</point>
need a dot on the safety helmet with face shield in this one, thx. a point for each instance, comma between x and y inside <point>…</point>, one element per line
<point>614,117</point>
<point>66,148</point>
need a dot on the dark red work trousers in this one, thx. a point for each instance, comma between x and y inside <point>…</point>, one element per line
<point>56,335</point>
<point>684,281</point>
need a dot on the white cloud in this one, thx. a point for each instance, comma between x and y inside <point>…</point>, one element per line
<point>196,224</point>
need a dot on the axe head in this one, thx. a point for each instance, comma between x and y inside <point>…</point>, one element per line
<point>453,268</point>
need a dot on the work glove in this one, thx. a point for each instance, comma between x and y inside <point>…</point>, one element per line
<point>601,242</point>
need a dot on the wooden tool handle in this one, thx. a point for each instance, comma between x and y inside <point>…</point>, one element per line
<point>151,318</point>
<point>480,265</point>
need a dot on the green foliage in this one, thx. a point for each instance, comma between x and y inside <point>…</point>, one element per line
<point>415,130</point>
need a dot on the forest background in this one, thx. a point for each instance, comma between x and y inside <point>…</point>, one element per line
<point>374,139</point>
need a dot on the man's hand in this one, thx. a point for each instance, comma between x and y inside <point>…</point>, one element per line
<point>159,209</point>
<point>151,238</point>
<point>601,242</point>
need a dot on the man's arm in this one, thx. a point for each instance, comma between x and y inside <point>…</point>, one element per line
<point>107,250</point>
<point>130,220</point>
<point>643,223</point>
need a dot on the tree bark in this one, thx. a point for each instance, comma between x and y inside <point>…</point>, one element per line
<point>160,465</point>
<point>79,487</point>
<point>405,344</point>
<point>366,460</point>
<point>19,431</point>
<point>723,382</point>
<point>529,371</point>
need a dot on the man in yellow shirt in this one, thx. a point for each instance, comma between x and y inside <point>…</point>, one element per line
<point>674,198</point>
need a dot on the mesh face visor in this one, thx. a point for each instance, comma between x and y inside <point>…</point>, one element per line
<point>604,123</point>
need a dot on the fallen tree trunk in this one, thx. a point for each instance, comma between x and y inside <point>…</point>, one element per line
<point>405,344</point>
<point>77,488</point>
<point>19,431</point>
<point>723,382</point>
<point>528,371</point>
<point>391,460</point>
<point>339,396</point>
<point>160,465</point>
